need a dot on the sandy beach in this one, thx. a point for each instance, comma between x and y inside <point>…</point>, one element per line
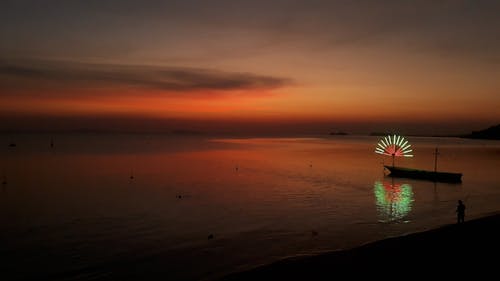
<point>453,250</point>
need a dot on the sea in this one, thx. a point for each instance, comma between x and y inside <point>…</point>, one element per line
<point>96,206</point>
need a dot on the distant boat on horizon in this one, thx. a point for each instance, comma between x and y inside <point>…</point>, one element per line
<point>338,133</point>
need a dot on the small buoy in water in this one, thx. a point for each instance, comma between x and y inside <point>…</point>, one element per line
<point>179,196</point>
<point>12,145</point>
<point>211,236</point>
<point>314,233</point>
<point>131,177</point>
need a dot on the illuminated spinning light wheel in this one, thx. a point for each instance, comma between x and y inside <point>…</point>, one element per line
<point>394,146</point>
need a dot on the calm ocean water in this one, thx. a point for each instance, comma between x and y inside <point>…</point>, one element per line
<point>116,207</point>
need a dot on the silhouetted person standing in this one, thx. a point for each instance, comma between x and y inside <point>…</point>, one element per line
<point>460,212</point>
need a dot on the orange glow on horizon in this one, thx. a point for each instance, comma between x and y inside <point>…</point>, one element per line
<point>258,106</point>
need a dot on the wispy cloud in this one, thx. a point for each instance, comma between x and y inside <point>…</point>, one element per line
<point>26,74</point>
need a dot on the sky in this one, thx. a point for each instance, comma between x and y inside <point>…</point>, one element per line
<point>265,67</point>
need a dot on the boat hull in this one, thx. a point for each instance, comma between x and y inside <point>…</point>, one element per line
<point>424,175</point>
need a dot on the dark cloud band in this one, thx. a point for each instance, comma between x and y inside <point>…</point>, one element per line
<point>168,79</point>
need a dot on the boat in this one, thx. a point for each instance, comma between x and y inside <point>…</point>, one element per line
<point>436,176</point>
<point>397,146</point>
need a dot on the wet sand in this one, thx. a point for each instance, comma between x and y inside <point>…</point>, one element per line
<point>469,249</point>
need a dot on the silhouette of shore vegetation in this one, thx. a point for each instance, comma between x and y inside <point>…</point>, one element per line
<point>491,133</point>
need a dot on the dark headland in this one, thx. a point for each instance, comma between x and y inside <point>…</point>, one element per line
<point>491,133</point>
<point>472,248</point>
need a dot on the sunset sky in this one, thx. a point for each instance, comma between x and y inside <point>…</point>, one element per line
<point>428,67</point>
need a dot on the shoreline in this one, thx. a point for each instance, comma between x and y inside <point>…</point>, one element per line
<point>452,250</point>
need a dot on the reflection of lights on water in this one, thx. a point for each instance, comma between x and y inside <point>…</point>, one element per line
<point>394,201</point>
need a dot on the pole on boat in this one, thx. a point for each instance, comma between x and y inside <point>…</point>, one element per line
<point>435,159</point>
